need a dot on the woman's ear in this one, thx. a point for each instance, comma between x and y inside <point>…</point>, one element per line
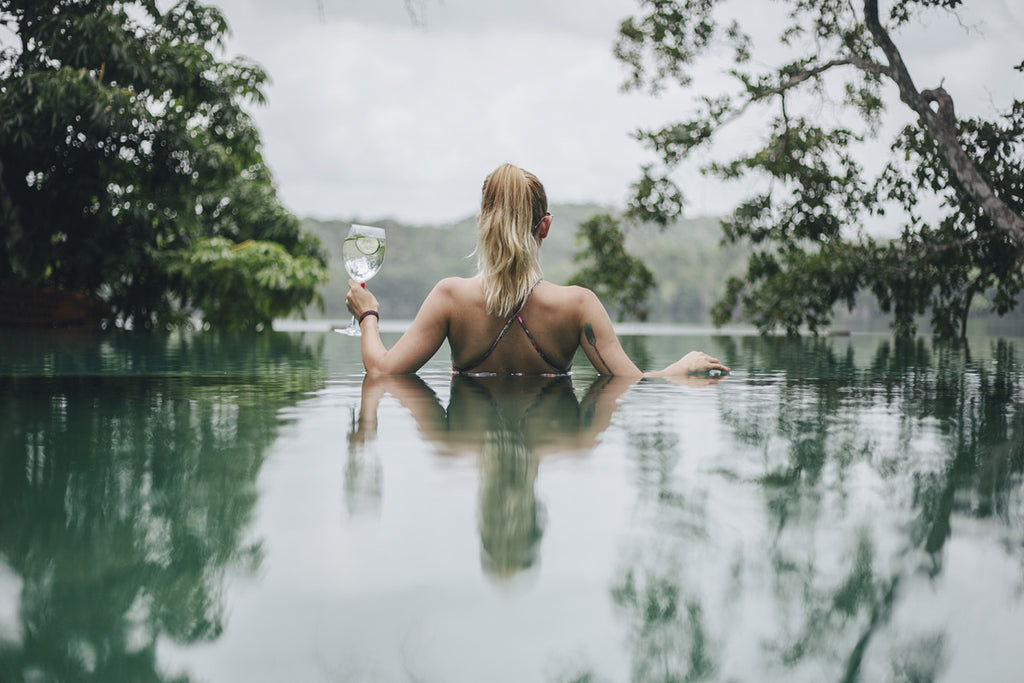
<point>543,227</point>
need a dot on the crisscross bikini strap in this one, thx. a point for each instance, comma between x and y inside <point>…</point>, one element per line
<point>536,347</point>
<point>518,316</point>
<point>501,334</point>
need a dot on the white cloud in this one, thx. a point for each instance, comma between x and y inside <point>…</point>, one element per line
<point>386,122</point>
<point>370,116</point>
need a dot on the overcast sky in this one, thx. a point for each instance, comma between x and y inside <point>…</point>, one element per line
<point>373,115</point>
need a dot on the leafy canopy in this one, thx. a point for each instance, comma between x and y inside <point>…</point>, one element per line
<point>622,281</point>
<point>954,188</point>
<point>128,162</point>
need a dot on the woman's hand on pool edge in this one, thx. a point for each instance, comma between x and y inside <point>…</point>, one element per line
<point>695,363</point>
<point>359,299</point>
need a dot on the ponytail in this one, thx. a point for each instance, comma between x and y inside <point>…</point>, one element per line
<point>512,206</point>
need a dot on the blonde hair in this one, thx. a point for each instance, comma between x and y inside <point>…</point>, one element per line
<point>510,518</point>
<point>512,206</point>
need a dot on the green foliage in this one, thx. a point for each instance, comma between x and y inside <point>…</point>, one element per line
<point>124,147</point>
<point>655,199</point>
<point>799,287</point>
<point>620,280</point>
<point>806,220</point>
<point>947,265</point>
<point>247,284</point>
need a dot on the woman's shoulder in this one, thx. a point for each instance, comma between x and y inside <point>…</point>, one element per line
<point>573,294</point>
<point>457,283</point>
<point>458,288</point>
<point>568,302</point>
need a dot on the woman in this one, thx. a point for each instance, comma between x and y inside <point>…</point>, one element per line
<point>506,319</point>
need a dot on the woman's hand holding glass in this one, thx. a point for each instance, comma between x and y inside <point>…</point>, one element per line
<point>359,299</point>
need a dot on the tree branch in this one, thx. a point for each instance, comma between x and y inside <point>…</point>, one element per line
<point>940,123</point>
<point>973,288</point>
<point>806,75</point>
<point>11,230</point>
<point>928,254</point>
<point>862,64</point>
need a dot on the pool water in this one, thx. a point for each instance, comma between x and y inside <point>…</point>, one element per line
<point>204,507</point>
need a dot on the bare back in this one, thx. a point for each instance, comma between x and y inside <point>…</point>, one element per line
<point>551,314</point>
<point>559,320</point>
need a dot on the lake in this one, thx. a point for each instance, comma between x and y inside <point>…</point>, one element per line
<point>209,507</point>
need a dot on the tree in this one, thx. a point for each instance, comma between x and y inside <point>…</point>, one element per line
<point>621,280</point>
<point>807,223</point>
<point>128,165</point>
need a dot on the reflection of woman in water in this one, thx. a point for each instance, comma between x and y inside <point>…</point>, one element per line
<point>510,517</point>
<point>508,423</point>
<point>515,419</point>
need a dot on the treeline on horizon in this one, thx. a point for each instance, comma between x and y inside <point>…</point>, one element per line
<point>689,263</point>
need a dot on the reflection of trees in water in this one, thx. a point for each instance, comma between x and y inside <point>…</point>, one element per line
<point>938,433</point>
<point>124,498</point>
<point>981,420</point>
<point>668,630</point>
<point>668,634</point>
<point>635,347</point>
<point>669,637</point>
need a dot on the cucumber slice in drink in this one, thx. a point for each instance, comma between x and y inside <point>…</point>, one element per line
<point>367,245</point>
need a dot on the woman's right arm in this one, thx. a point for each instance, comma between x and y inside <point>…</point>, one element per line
<point>601,344</point>
<point>421,341</point>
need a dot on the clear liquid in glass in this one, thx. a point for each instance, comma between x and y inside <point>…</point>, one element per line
<point>363,253</point>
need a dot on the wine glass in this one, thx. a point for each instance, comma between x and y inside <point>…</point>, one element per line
<point>363,251</point>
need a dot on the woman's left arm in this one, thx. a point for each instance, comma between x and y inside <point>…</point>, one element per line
<point>415,347</point>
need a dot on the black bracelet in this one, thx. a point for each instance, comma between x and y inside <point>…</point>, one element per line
<point>366,313</point>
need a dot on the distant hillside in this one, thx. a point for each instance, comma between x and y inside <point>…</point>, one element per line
<point>688,263</point>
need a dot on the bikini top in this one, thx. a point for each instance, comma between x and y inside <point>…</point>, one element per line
<point>516,317</point>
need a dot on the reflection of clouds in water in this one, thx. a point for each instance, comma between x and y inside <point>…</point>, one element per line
<point>11,587</point>
<point>364,482</point>
<point>364,475</point>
